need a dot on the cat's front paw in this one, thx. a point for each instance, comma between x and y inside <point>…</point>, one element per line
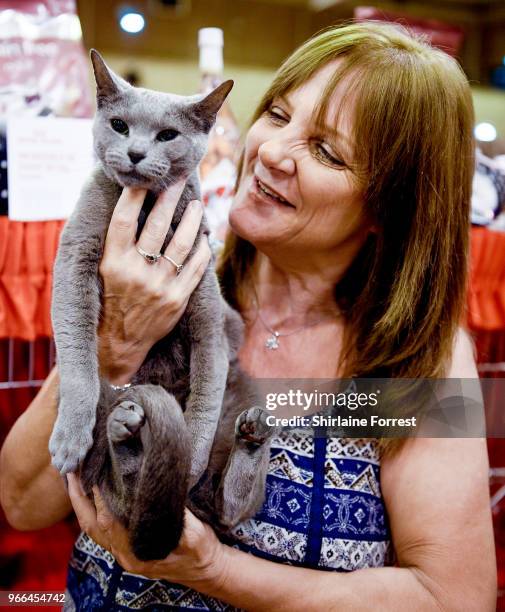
<point>251,426</point>
<point>125,421</point>
<point>197,468</point>
<point>70,443</point>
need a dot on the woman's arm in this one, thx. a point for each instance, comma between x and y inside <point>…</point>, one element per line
<point>142,304</point>
<point>32,492</point>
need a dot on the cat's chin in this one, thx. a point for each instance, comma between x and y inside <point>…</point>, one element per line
<point>134,179</point>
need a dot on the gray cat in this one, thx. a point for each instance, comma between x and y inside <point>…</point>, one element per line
<point>153,442</point>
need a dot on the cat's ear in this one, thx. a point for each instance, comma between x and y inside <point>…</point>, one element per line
<point>108,84</point>
<point>207,108</point>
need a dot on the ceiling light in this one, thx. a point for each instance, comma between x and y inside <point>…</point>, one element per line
<point>133,23</point>
<point>485,132</point>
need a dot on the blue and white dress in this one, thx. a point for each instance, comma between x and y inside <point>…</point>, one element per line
<point>323,509</point>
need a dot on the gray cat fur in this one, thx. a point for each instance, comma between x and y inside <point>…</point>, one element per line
<point>141,440</point>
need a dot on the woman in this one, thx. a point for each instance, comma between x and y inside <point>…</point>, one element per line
<point>350,234</point>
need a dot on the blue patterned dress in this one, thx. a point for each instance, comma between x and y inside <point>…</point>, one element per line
<point>323,509</point>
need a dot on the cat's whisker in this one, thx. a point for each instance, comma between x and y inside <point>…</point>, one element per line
<point>164,184</point>
<point>157,170</point>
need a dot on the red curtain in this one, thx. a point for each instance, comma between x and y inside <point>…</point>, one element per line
<point>28,249</point>
<point>27,252</point>
<point>486,296</point>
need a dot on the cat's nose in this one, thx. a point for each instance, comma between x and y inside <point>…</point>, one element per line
<point>135,157</point>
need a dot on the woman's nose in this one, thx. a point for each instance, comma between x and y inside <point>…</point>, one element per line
<point>274,154</point>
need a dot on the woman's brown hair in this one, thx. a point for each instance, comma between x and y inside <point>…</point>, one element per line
<point>404,294</point>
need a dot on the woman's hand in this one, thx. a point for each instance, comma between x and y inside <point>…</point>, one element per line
<point>198,560</point>
<point>143,302</point>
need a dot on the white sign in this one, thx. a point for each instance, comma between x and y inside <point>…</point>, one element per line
<point>49,159</point>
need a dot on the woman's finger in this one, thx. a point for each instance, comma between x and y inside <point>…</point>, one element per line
<point>123,223</point>
<point>184,237</point>
<point>194,269</point>
<point>83,507</point>
<point>115,535</point>
<point>156,227</point>
<point>104,518</point>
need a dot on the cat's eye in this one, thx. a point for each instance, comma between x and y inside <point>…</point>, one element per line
<point>119,126</point>
<point>166,135</point>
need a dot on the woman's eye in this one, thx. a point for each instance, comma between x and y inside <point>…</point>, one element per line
<point>119,126</point>
<point>326,156</point>
<point>166,135</point>
<point>275,116</point>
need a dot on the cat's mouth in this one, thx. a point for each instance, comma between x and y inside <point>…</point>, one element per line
<point>133,178</point>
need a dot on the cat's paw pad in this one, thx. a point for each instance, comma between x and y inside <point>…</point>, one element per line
<point>69,445</point>
<point>125,421</point>
<point>251,426</point>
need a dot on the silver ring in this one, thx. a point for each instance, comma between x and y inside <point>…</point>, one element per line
<point>178,267</point>
<point>151,258</point>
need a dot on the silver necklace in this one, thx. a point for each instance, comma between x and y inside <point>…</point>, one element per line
<point>272,342</point>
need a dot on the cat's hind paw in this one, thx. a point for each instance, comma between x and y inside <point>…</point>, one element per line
<point>251,426</point>
<point>125,421</point>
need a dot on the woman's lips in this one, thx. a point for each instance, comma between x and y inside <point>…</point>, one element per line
<point>267,194</point>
